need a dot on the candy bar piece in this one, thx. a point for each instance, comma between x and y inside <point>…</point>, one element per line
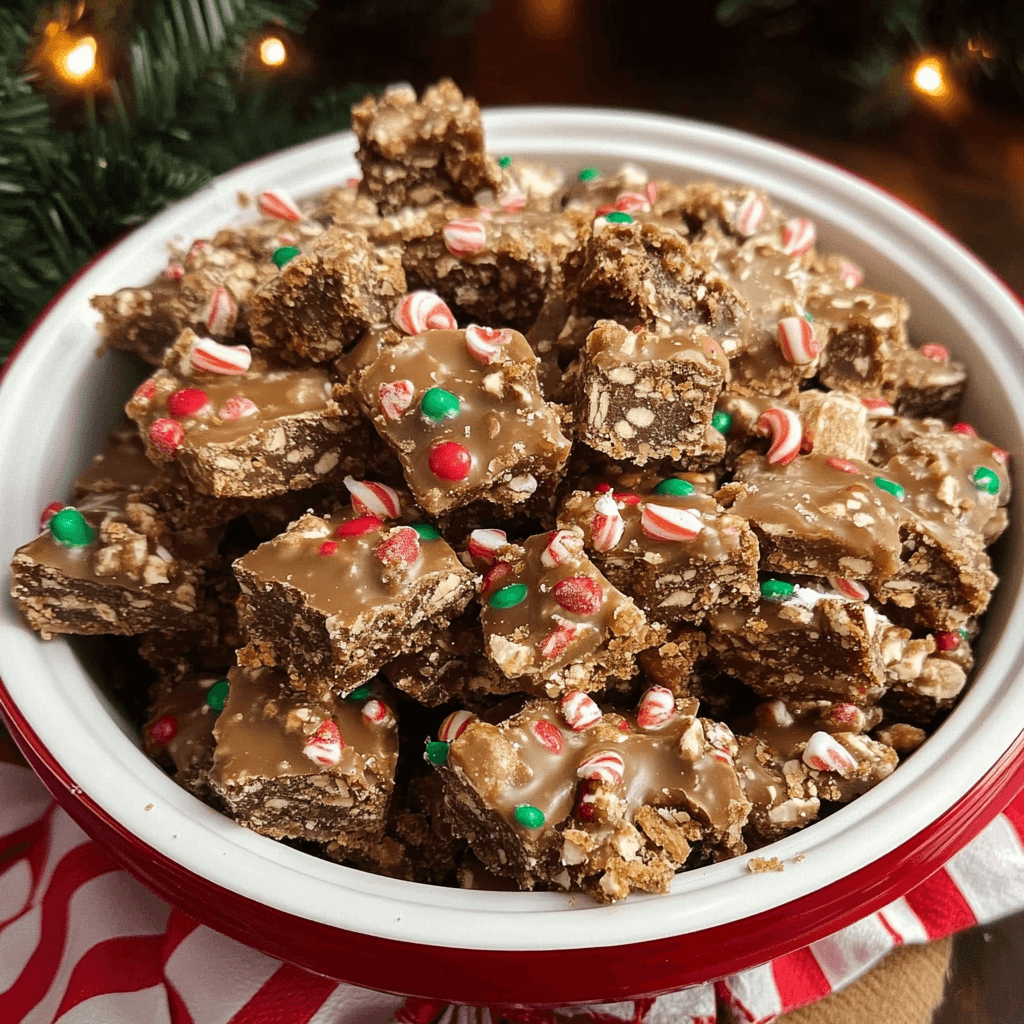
<point>928,680</point>
<point>668,546</point>
<point>553,622</point>
<point>807,642</point>
<point>291,766</point>
<point>463,412</point>
<point>527,184</point>
<point>325,297</point>
<point>245,425</point>
<point>739,212</point>
<point>414,152</point>
<point>333,600</point>
<point>628,190</point>
<point>608,803</point>
<point>673,664</point>
<point>644,394</point>
<point>925,382</point>
<point>109,566</point>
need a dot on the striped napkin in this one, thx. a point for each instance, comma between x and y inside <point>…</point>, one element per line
<point>81,942</point>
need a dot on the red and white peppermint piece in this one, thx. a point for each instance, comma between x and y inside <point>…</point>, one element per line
<point>174,272</point>
<point>395,397</point>
<point>604,766</point>
<point>626,498</point>
<point>773,712</point>
<point>606,527</point>
<point>850,274</point>
<point>464,236</point>
<point>325,745</point>
<point>497,572</point>
<point>797,341</point>
<point>166,435</point>
<point>651,191</point>
<point>548,735</point>
<point>656,707</point>
<point>722,741</point>
<point>877,407</point>
<point>484,544</point>
<point>484,343</point>
<point>237,407</point>
<point>50,511</point>
<point>632,202</point>
<point>376,712</point>
<point>563,546</point>
<point>221,312</point>
<point>423,311</point>
<point>842,465</point>
<point>964,428</point>
<point>783,426</point>
<point>454,725</point>
<point>750,215</point>
<point>849,716</point>
<point>937,353</point>
<point>663,522</point>
<point>850,588</point>
<point>579,710</point>
<point>402,547</point>
<point>512,201</point>
<point>798,235</point>
<point>145,391</point>
<point>580,595</point>
<point>276,203</point>
<point>561,638</point>
<point>209,356</point>
<point>1001,455</point>
<point>373,499</point>
<point>196,250</point>
<point>824,753</point>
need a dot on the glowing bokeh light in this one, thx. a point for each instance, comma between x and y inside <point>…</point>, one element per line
<point>930,78</point>
<point>272,52</point>
<point>80,61</point>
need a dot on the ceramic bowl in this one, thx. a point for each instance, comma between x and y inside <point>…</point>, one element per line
<point>57,401</point>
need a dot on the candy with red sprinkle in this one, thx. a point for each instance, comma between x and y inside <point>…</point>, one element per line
<point>395,397</point>
<point>964,428</point>
<point>847,715</point>
<point>484,343</point>
<point>423,311</point>
<point>402,547</point>
<point>328,548</point>
<point>237,407</point>
<point>187,401</point>
<point>824,753</point>
<point>548,735</point>
<point>562,546</point>
<point>146,390</point>
<point>749,215</point>
<point>797,341</point>
<point>221,312</point>
<point>606,527</point>
<point>373,499</point>
<point>454,725</point>
<point>579,710</point>
<point>580,595</point>
<point>359,526</point>
<point>947,640</point>
<point>164,729</point>
<point>604,766</point>
<point>561,638</point>
<point>850,588</point>
<point>798,235</point>
<point>464,236</point>
<point>174,272</point>
<point>512,201</point>
<point>273,202</point>
<point>449,460</point>
<point>325,745</point>
<point>632,202</point>
<point>842,465</point>
<point>166,435</point>
<point>497,572</point>
<point>656,707</point>
<point>209,356</point>
<point>877,407</point>
<point>49,512</point>
<point>783,426</point>
<point>484,544</point>
<point>663,522</point>
<point>937,353</point>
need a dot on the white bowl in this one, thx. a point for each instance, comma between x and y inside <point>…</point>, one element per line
<point>57,402</point>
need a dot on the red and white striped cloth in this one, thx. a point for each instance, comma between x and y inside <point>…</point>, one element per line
<point>81,942</point>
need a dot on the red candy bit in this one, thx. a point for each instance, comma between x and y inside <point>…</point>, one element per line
<point>464,236</point>
<point>938,353</point>
<point>561,638</point>
<point>548,735</point>
<point>848,716</point>
<point>359,527</point>
<point>494,576</point>
<point>825,754</point>
<point>579,710</point>
<point>174,272</point>
<point>878,407</point>
<point>164,729</point>
<point>797,341</point>
<point>632,202</point>
<point>850,588</point>
<point>423,311</point>
<point>947,641</point>
<point>146,390</point>
<point>588,797</point>
<point>783,425</point>
<point>276,203</point>
<point>454,725</point>
<point>329,547</point>
<point>964,428</point>
<point>196,249</point>
<point>602,210</point>
<point>513,201</point>
<point>626,498</point>
<point>187,401</point>
<point>394,398</point>
<point>484,343</point>
<point>221,312</point>
<point>166,435</point>
<point>580,595</point>
<point>798,235</point>
<point>376,712</point>
<point>449,460</point>
<point>604,766</point>
<point>402,547</point>
<point>373,499</point>
<point>49,512</point>
<point>651,191</point>
<point>209,356</point>
<point>749,215</point>
<point>850,274</point>
<point>563,546</point>
<point>603,488</point>
<point>237,407</point>
<point>325,745</point>
<point>843,465</point>
<point>1001,455</point>
<point>484,544</point>
<point>663,522</point>
<point>656,707</point>
<point>606,527</point>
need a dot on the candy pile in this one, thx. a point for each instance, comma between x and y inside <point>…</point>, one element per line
<point>475,526</point>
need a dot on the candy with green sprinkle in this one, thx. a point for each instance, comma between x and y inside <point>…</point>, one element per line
<point>438,404</point>
<point>721,421</point>
<point>284,254</point>
<point>589,173</point>
<point>426,531</point>
<point>363,692</point>
<point>437,751</point>
<point>676,487</point>
<point>776,590</point>
<point>510,596</point>
<point>890,487</point>
<point>217,695</point>
<point>505,161</point>
<point>985,480</point>
<point>69,528</point>
<point>618,217</point>
<point>529,816</point>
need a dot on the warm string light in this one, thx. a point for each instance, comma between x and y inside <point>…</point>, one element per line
<point>71,56</point>
<point>930,78</point>
<point>273,52</point>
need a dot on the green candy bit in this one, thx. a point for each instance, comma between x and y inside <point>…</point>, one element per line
<point>985,480</point>
<point>437,751</point>
<point>529,816</point>
<point>363,692</point>
<point>217,695</point>
<point>69,528</point>
<point>284,254</point>
<point>618,217</point>
<point>589,174</point>
<point>890,487</point>
<point>676,487</point>
<point>426,531</point>
<point>776,590</point>
<point>964,635</point>
<point>505,161</point>
<point>510,596</point>
<point>438,404</point>
<point>809,318</point>
<point>721,421</point>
